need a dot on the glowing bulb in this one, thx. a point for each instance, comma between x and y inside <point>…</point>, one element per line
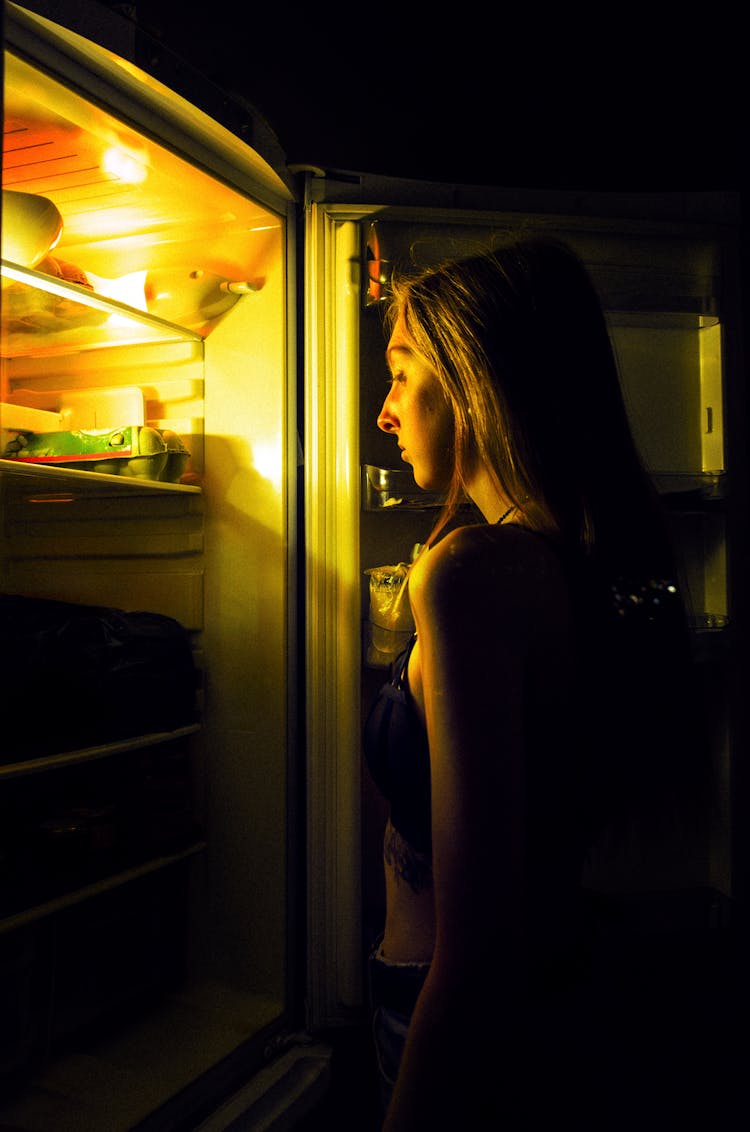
<point>121,165</point>
<point>129,289</point>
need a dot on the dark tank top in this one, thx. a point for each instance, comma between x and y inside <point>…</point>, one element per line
<point>631,635</point>
<point>398,758</point>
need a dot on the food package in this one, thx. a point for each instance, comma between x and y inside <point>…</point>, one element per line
<point>390,619</point>
<point>133,451</point>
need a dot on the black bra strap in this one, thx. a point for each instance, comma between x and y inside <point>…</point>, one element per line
<point>399,665</point>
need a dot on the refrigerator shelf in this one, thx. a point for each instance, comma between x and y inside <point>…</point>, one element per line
<point>385,489</point>
<point>46,316</point>
<point>65,484</point>
<point>698,485</point>
<point>90,754</point>
<point>105,884</point>
<point>671,314</point>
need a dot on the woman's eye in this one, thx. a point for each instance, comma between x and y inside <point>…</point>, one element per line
<point>398,376</point>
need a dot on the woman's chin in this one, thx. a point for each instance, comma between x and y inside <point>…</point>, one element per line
<point>429,483</point>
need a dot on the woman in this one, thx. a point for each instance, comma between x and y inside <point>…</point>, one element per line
<point>536,711</point>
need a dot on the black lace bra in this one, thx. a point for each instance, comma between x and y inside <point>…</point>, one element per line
<point>398,758</point>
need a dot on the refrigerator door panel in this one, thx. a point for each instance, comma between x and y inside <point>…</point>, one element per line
<point>157,982</point>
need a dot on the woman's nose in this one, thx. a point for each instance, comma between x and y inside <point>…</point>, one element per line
<point>386,418</point>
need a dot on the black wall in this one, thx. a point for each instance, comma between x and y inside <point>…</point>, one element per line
<point>473,94</point>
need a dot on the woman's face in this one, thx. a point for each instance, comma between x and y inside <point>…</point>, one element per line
<point>417,413</point>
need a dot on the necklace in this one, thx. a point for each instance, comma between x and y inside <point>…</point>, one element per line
<point>505,515</point>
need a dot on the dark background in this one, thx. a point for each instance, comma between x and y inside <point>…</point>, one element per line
<point>608,99</point>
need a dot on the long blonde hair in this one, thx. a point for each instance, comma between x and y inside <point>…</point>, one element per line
<point>519,342</point>
<point>520,345</point>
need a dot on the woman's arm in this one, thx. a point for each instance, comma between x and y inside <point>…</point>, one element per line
<point>476,604</point>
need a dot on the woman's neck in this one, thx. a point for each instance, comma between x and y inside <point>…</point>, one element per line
<point>494,505</point>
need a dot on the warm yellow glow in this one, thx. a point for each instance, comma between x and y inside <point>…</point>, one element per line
<point>129,289</point>
<point>123,166</point>
<point>268,463</point>
<point>712,417</point>
<point>51,285</point>
<point>81,295</point>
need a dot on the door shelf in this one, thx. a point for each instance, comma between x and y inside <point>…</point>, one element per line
<point>385,489</point>
<point>105,884</point>
<point>709,623</point>
<point>690,485</point>
<point>391,489</point>
<point>662,313</point>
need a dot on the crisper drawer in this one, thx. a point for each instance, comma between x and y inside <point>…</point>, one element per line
<point>86,968</point>
<point>66,826</point>
<point>122,949</point>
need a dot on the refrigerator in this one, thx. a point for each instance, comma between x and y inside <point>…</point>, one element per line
<point>171,286</point>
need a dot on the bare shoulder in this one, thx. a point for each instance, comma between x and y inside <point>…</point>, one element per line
<point>490,573</point>
<point>486,555</point>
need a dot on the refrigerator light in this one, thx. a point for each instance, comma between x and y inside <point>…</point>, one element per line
<point>123,167</point>
<point>129,289</point>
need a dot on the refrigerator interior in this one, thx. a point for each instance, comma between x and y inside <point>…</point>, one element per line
<point>669,292</point>
<point>145,285</point>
